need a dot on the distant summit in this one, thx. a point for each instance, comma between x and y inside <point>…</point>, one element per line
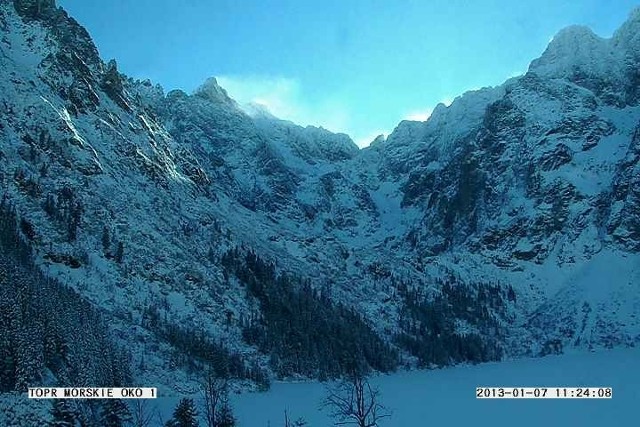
<point>212,91</point>
<point>505,225</point>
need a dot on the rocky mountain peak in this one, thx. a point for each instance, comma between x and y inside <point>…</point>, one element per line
<point>212,91</point>
<point>380,139</point>
<point>170,206</point>
<point>574,48</point>
<point>628,35</point>
<point>112,85</point>
<point>71,36</point>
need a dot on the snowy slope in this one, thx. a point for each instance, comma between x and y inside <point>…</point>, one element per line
<point>530,186</point>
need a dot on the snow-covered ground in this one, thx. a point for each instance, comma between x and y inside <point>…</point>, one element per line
<point>447,397</point>
<point>444,397</point>
<point>332,214</point>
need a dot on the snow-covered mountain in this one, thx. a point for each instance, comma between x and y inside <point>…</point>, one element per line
<point>507,224</point>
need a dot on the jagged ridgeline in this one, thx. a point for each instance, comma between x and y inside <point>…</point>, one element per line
<point>398,254</point>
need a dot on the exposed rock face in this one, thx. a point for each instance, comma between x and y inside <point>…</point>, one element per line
<point>35,9</point>
<point>532,186</point>
<point>624,211</point>
<point>71,36</point>
<point>111,84</point>
<point>607,67</point>
<point>213,92</point>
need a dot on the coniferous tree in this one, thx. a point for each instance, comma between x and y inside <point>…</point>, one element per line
<point>47,326</point>
<point>50,205</point>
<point>119,252</point>
<point>225,416</point>
<point>185,415</point>
<point>29,356</point>
<point>115,413</point>
<point>302,330</point>
<point>428,325</point>
<point>194,348</point>
<point>63,413</point>
<point>106,240</point>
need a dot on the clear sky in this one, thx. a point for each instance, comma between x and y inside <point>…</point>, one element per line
<point>354,66</point>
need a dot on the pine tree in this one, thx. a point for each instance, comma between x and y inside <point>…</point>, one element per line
<point>106,240</point>
<point>50,205</point>
<point>115,413</point>
<point>48,327</point>
<point>119,252</point>
<point>225,416</point>
<point>63,413</point>
<point>185,415</point>
<point>29,351</point>
<point>7,369</point>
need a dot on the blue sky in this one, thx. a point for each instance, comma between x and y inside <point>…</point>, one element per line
<point>354,66</point>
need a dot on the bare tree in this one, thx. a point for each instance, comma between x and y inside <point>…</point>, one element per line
<point>300,422</point>
<point>354,401</point>
<point>142,413</point>
<point>214,391</point>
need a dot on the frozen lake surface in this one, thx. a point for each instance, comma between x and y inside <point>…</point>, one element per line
<point>446,397</point>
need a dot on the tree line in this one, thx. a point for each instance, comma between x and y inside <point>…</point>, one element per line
<point>50,333</point>
<point>302,330</point>
<point>195,351</point>
<point>429,325</point>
